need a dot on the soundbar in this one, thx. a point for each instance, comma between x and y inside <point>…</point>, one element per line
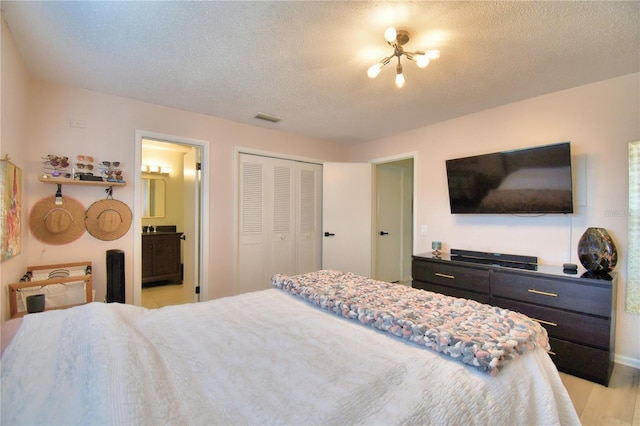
<point>497,257</point>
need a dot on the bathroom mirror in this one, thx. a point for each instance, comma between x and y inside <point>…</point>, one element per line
<point>153,197</point>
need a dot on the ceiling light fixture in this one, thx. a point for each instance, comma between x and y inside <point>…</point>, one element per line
<point>397,39</point>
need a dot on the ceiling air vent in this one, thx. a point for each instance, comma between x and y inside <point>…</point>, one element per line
<point>267,117</point>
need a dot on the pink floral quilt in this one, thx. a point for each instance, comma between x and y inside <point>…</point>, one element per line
<point>480,335</point>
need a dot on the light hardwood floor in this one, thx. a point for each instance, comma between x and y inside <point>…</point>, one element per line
<point>164,295</point>
<point>616,405</point>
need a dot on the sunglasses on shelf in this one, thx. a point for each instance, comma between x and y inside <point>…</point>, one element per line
<point>56,173</point>
<point>55,161</point>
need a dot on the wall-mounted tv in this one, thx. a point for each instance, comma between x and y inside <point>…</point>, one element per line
<point>533,180</point>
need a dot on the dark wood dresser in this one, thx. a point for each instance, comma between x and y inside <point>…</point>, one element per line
<point>577,310</point>
<point>161,257</point>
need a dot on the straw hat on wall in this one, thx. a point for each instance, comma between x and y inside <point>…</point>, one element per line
<point>57,224</point>
<point>108,219</point>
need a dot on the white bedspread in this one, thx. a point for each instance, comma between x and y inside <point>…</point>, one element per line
<point>258,358</point>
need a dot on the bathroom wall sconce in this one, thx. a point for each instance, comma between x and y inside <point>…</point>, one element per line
<point>163,170</point>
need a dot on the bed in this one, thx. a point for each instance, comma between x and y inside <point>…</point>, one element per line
<point>308,351</point>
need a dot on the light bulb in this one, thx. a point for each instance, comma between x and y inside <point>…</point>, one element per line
<point>433,54</point>
<point>399,76</point>
<point>374,70</point>
<point>390,34</point>
<point>422,60</point>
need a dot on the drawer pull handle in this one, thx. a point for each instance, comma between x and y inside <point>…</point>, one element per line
<point>545,322</point>
<point>438,274</point>
<point>544,293</point>
<point>551,353</point>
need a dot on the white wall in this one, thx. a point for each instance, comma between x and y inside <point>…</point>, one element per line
<point>35,122</point>
<point>13,135</point>
<point>599,119</point>
<point>110,124</point>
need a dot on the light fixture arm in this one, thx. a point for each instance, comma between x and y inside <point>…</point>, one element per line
<point>397,49</point>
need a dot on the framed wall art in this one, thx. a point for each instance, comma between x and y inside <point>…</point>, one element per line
<point>10,209</point>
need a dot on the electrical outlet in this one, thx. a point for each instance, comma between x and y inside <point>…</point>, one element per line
<point>77,124</point>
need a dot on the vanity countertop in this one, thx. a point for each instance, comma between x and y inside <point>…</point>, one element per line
<point>160,232</point>
<point>159,229</point>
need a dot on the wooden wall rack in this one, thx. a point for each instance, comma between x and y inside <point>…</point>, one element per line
<point>14,289</point>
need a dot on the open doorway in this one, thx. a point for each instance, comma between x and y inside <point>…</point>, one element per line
<point>170,188</point>
<point>394,220</point>
<point>168,222</point>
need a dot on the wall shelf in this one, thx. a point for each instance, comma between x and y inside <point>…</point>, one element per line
<point>65,181</point>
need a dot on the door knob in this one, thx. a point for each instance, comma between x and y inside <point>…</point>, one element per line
<point>328,234</point>
<point>384,233</point>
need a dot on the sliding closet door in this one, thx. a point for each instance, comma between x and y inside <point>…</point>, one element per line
<point>309,217</point>
<point>252,238</point>
<point>279,220</point>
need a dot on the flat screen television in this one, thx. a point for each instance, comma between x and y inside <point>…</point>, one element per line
<point>533,180</point>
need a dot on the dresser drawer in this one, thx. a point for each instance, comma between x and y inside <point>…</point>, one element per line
<point>451,291</point>
<point>583,329</point>
<point>581,361</point>
<point>460,277</point>
<point>578,312</point>
<point>556,293</point>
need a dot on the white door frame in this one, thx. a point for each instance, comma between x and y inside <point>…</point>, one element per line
<point>137,210</point>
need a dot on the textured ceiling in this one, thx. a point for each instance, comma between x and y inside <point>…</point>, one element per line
<point>306,61</point>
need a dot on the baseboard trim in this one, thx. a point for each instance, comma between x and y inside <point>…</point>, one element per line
<point>625,360</point>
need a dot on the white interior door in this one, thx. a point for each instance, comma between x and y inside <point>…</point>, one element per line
<point>191,245</point>
<point>252,238</point>
<point>268,217</point>
<point>309,217</point>
<point>389,190</point>
<point>281,218</point>
<point>347,217</point>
